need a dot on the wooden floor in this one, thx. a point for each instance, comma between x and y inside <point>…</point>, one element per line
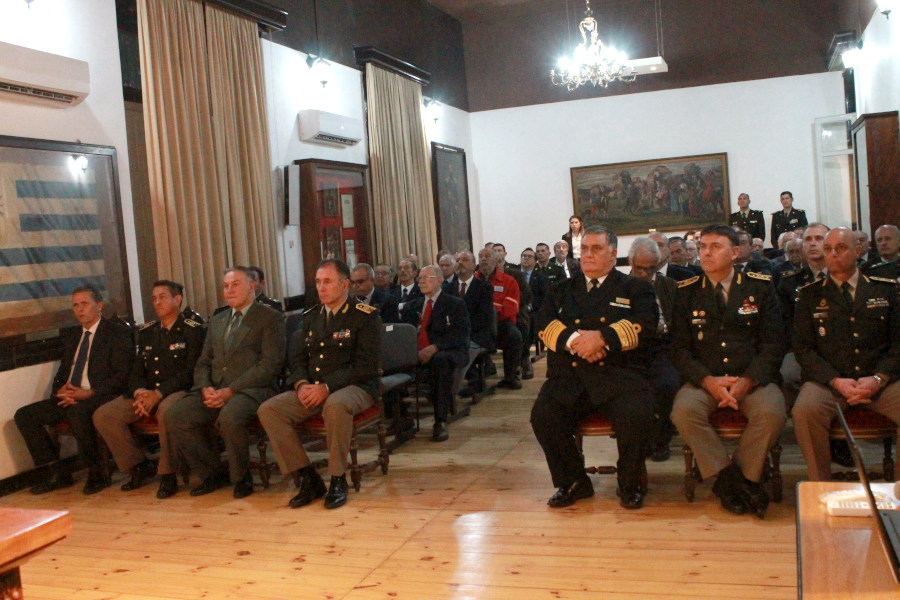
<point>466,518</point>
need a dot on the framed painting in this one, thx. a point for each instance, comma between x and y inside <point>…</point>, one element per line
<point>668,194</point>
<point>451,197</point>
<point>60,227</point>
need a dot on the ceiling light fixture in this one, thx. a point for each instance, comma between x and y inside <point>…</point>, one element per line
<point>432,108</point>
<point>318,66</point>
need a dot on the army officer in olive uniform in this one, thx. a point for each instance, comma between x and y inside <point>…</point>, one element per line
<point>597,327</point>
<point>847,339</point>
<point>728,346</point>
<point>161,375</point>
<point>334,372</point>
<point>751,221</point>
<point>788,219</point>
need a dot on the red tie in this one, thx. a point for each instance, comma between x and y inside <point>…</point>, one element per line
<point>462,290</point>
<point>423,328</point>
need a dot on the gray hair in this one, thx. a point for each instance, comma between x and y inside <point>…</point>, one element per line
<point>435,271</point>
<point>644,245</point>
<point>370,272</point>
<point>561,244</point>
<point>892,228</point>
<point>611,237</point>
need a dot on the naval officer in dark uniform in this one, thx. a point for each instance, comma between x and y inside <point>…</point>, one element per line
<point>334,372</point>
<point>162,374</point>
<point>728,346</point>
<point>751,221</point>
<point>788,219</point>
<point>597,327</point>
<point>847,339</point>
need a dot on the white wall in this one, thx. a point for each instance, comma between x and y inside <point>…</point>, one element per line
<point>878,73</point>
<point>85,30</point>
<point>524,154</point>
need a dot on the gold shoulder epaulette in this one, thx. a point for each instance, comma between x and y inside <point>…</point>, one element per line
<point>883,279</point>
<point>192,323</point>
<point>758,276</point>
<point>366,308</point>
<point>805,285</point>
<point>787,274</point>
<point>146,325</point>
<point>688,282</point>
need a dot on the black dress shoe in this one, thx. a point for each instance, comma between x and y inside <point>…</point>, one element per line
<point>631,499</point>
<point>736,504</point>
<point>660,452</point>
<point>466,392</point>
<point>56,481</point>
<point>311,487</point>
<point>440,433</point>
<point>757,499</point>
<point>96,482</point>
<point>566,496</point>
<point>337,492</point>
<point>729,482</point>
<point>527,369</point>
<point>244,486</point>
<point>168,486</point>
<point>840,453</point>
<point>489,368</point>
<point>212,483</point>
<point>140,474</point>
<point>511,384</point>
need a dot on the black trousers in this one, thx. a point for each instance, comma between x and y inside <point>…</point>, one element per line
<point>509,339</point>
<point>666,383</point>
<point>439,373</point>
<point>33,419</point>
<point>556,413</point>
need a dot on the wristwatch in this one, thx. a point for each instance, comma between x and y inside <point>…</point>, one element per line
<point>882,380</point>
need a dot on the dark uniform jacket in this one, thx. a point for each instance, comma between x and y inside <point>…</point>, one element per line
<point>342,354</point>
<point>747,340</point>
<point>166,357</point>
<point>480,306</point>
<point>666,290</point>
<point>883,268</point>
<point>833,340</point>
<point>386,305</point>
<point>753,223</point>
<point>788,290</point>
<point>448,327</point>
<point>109,361</point>
<point>756,265</point>
<point>552,272</point>
<point>262,299</point>
<point>782,222</point>
<point>679,273</point>
<point>623,310</point>
<point>539,286</point>
<point>254,358</point>
<point>573,265</point>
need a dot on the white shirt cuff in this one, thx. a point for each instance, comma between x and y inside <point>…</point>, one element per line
<point>570,340</point>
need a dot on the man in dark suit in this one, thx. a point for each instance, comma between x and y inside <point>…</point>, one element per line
<point>384,277</point>
<point>665,267</point>
<point>887,238</point>
<point>746,262</point>
<point>596,327</point>
<point>362,288</point>
<point>94,369</point>
<point>479,299</point>
<point>643,256</point>
<point>788,219</point>
<point>334,372</point>
<point>443,343</point>
<point>237,370</point>
<point>751,221</point>
<point>406,290</point>
<point>538,286</point>
<point>259,289</point>
<point>562,259</point>
<point>678,255</point>
<point>447,263</point>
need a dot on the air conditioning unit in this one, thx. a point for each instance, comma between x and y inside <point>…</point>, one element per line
<point>40,77</point>
<point>329,128</point>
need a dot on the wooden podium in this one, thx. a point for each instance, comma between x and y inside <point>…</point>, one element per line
<point>23,534</point>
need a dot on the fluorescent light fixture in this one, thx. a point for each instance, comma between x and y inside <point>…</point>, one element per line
<point>644,66</point>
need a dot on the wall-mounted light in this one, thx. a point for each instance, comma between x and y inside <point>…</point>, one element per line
<point>432,108</point>
<point>851,57</point>
<point>319,68</point>
<point>78,162</point>
<point>886,6</point>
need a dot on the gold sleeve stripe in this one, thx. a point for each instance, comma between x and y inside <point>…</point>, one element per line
<point>628,333</point>
<point>551,332</point>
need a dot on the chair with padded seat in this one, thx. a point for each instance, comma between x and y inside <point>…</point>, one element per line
<point>399,360</point>
<point>867,424</point>
<point>730,424</point>
<point>596,425</point>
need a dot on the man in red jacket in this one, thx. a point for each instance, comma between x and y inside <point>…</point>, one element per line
<point>506,303</point>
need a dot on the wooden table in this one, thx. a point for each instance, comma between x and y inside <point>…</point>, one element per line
<point>839,557</point>
<point>23,534</point>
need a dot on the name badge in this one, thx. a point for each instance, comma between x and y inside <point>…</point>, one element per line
<point>820,315</point>
<point>341,335</point>
<point>619,305</point>
<point>793,220</point>
<point>698,321</point>
<point>177,346</point>
<point>498,288</point>
<point>876,303</point>
<point>624,300</point>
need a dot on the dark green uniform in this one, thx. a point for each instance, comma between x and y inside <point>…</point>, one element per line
<point>551,272</point>
<point>166,358</point>
<point>786,222</point>
<point>884,269</point>
<point>789,293</point>
<point>342,353</point>
<point>753,223</point>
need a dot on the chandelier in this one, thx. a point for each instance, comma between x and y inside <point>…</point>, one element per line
<point>594,61</point>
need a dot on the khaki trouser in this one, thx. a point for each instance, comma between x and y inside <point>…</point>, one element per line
<point>765,411</point>
<point>279,414</point>
<point>112,421</point>
<point>813,414</point>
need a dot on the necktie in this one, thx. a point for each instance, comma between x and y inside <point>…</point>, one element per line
<point>232,328</point>
<point>720,298</point>
<point>848,298</point>
<point>423,327</point>
<point>595,284</point>
<point>821,276</point>
<point>404,295</point>
<point>327,318</point>
<point>462,290</point>
<point>81,360</point>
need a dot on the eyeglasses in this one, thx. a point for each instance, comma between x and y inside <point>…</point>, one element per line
<point>422,278</point>
<point>651,269</point>
<point>359,281</point>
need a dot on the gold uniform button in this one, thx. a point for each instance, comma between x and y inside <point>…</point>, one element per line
<point>317,368</point>
<point>603,319</point>
<point>853,319</point>
<point>574,364</point>
<point>156,358</point>
<point>577,321</point>
<point>855,335</point>
<point>157,372</point>
<point>723,344</point>
<point>321,343</point>
<point>857,352</point>
<point>601,363</point>
<point>724,360</point>
<point>857,368</point>
<point>321,356</point>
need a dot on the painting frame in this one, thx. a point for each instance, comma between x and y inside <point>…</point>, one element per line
<point>47,247</point>
<point>450,188</point>
<point>666,194</point>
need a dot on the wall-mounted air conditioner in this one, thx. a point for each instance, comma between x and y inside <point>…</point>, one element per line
<point>328,128</point>
<point>40,77</point>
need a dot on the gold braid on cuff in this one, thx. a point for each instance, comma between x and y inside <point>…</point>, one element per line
<point>628,333</point>
<point>551,332</point>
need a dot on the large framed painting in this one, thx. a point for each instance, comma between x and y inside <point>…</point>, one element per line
<point>60,227</point>
<point>668,194</point>
<point>451,197</point>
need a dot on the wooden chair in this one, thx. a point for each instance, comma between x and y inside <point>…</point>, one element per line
<point>730,425</point>
<point>868,425</point>
<point>595,425</point>
<point>64,428</point>
<point>148,427</point>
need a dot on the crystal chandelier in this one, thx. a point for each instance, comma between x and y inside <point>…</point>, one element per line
<point>594,61</point>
